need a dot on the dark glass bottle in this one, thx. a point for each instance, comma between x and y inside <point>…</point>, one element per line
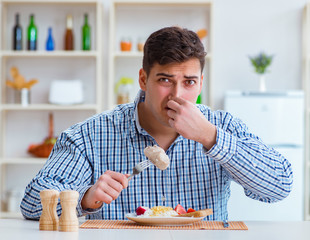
<point>32,34</point>
<point>86,40</point>
<point>69,40</point>
<point>50,45</point>
<point>199,99</point>
<point>17,34</point>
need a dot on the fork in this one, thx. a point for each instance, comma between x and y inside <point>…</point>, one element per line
<point>136,170</point>
<point>139,168</point>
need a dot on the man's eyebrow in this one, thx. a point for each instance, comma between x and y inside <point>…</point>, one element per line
<point>164,75</point>
<point>170,75</point>
<point>191,77</point>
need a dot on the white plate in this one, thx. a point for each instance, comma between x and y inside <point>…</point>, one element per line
<point>163,221</point>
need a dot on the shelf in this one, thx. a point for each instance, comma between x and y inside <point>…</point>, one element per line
<point>22,125</point>
<point>128,54</point>
<point>76,53</point>
<point>25,160</point>
<point>126,15</point>
<point>11,215</point>
<point>48,107</point>
<point>49,1</point>
<point>136,54</point>
<point>170,2</point>
<point>306,87</point>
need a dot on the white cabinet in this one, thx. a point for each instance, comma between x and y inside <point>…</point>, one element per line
<point>306,87</point>
<point>266,115</point>
<point>136,20</point>
<point>20,125</point>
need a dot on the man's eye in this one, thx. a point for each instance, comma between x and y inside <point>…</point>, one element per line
<point>164,80</point>
<point>190,82</point>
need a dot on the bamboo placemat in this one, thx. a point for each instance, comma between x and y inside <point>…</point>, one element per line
<point>126,224</point>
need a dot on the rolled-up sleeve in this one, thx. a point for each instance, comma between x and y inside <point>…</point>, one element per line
<point>264,173</point>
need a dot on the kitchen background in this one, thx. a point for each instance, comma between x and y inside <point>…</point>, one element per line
<point>236,30</point>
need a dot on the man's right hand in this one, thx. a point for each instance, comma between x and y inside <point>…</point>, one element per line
<point>105,190</point>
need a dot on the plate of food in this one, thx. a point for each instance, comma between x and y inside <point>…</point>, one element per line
<point>165,216</point>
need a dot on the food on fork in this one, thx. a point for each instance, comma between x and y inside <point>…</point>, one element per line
<point>157,156</point>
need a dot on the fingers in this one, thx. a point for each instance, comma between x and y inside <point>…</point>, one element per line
<point>177,104</point>
<point>109,186</point>
<point>118,177</point>
<point>179,100</point>
<point>177,107</point>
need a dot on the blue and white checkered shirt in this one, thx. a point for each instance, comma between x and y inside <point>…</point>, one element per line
<point>196,178</point>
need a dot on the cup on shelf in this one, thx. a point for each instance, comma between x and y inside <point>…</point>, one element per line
<point>140,44</point>
<point>126,45</point>
<point>22,96</point>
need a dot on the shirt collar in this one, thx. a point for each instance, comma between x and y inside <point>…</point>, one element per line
<point>139,98</point>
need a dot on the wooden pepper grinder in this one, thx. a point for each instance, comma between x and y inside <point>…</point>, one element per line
<point>68,221</point>
<point>49,219</point>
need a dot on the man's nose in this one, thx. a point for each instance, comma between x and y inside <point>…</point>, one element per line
<point>177,91</point>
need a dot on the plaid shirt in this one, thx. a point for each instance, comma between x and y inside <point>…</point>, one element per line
<point>196,178</point>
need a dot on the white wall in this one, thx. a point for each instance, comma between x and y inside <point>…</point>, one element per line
<point>246,27</point>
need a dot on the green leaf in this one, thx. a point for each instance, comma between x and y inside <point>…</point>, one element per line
<point>261,62</point>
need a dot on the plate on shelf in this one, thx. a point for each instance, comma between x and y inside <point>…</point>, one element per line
<point>163,221</point>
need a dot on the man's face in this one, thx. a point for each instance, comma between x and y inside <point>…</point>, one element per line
<point>182,80</point>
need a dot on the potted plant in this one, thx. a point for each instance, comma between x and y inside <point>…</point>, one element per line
<point>260,63</point>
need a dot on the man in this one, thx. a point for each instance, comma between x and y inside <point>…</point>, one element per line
<point>207,149</point>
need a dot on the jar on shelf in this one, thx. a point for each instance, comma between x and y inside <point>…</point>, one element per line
<point>140,44</point>
<point>123,90</point>
<point>126,45</point>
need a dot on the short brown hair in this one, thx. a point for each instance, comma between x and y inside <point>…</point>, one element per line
<point>172,44</point>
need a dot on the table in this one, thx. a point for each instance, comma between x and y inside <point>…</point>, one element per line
<point>29,230</point>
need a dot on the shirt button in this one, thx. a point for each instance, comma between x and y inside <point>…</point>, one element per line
<point>163,198</point>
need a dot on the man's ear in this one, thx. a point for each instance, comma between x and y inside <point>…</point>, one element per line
<point>201,80</point>
<point>142,79</point>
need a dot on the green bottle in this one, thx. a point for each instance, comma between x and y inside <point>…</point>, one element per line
<point>86,41</point>
<point>199,99</point>
<point>32,34</point>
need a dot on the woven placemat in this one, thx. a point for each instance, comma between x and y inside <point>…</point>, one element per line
<point>125,224</point>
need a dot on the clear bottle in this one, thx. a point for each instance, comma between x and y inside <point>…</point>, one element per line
<point>50,44</point>
<point>69,38</point>
<point>32,34</point>
<point>123,89</point>
<point>17,34</point>
<point>86,33</point>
